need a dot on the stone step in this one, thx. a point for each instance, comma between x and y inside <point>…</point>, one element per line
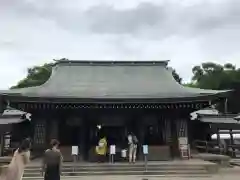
<point>140,176</point>
<point>90,169</point>
<point>108,165</point>
<point>235,162</point>
<point>128,166</point>
<point>186,168</point>
<point>112,173</point>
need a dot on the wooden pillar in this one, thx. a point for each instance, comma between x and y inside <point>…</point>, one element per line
<point>232,144</point>
<point>1,136</point>
<point>1,105</point>
<point>226,106</point>
<point>181,131</point>
<point>2,144</point>
<point>167,130</point>
<point>54,128</point>
<point>82,140</point>
<point>218,139</point>
<point>174,139</point>
<point>141,135</point>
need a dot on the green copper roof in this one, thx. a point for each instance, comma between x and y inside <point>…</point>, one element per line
<point>109,79</point>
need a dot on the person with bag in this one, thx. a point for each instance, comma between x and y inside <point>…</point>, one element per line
<point>52,162</point>
<point>132,143</point>
<point>21,157</point>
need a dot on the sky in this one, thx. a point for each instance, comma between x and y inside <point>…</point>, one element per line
<point>186,32</point>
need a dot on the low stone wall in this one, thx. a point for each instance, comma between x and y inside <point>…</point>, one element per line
<point>5,160</point>
<point>222,160</point>
<point>159,153</point>
<point>67,153</point>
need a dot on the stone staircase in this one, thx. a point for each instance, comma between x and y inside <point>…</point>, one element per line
<point>179,168</point>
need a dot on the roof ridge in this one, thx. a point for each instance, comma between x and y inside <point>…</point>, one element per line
<point>112,62</point>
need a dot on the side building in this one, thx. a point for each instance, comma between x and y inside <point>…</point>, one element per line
<point>222,134</point>
<point>12,120</point>
<point>118,96</point>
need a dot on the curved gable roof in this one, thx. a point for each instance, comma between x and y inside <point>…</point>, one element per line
<point>111,79</point>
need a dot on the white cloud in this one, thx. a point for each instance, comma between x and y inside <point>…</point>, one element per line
<point>187,32</point>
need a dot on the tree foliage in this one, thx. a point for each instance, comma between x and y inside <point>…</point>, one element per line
<point>177,76</point>
<point>36,76</point>
<point>215,76</point>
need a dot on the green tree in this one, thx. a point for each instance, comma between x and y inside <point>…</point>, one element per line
<point>36,76</point>
<point>176,76</point>
<point>215,76</point>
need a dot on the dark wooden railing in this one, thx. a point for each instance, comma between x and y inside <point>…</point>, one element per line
<point>208,147</point>
<point>232,150</point>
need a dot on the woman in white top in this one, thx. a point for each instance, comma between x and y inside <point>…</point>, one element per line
<point>132,147</point>
<point>15,170</point>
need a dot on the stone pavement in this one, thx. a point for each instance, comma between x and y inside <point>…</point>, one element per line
<point>215,177</point>
<point>225,174</point>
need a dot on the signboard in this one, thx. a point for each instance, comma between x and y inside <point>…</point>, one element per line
<point>184,147</point>
<point>112,149</point>
<point>74,150</point>
<point>183,141</point>
<point>145,149</point>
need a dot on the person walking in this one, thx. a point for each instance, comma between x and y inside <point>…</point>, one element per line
<point>132,144</point>
<point>15,170</point>
<point>52,162</point>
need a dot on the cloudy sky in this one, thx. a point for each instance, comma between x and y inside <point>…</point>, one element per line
<point>187,32</point>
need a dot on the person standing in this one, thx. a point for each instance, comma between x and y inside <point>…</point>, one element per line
<point>101,149</point>
<point>52,162</point>
<point>132,144</point>
<point>15,170</point>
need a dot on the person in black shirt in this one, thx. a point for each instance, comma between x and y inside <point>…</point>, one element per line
<point>52,162</point>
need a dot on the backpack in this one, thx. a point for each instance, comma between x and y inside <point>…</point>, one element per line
<point>135,140</point>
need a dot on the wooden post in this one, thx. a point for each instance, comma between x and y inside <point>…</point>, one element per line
<point>2,144</point>
<point>232,143</point>
<point>141,132</point>
<point>54,129</point>
<point>82,136</point>
<point>174,139</point>
<point>218,140</point>
<point>1,105</point>
<point>206,147</point>
<point>226,106</point>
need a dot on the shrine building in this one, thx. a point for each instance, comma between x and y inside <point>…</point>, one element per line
<point>84,98</point>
